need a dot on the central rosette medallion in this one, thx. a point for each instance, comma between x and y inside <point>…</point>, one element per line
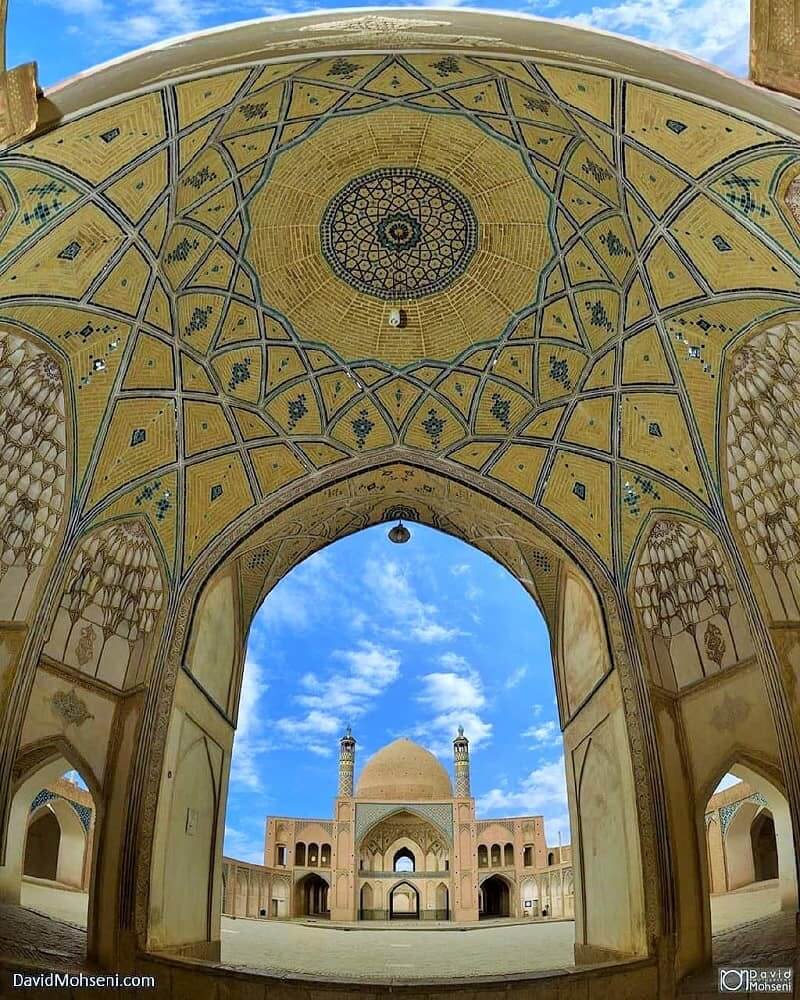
<point>399,233</point>
<point>400,208</point>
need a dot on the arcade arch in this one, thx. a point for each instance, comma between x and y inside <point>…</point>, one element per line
<point>764,847</point>
<point>311,896</point>
<point>495,898</point>
<point>598,417</point>
<point>404,902</point>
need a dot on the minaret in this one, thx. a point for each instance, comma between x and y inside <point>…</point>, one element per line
<point>461,758</point>
<point>347,761</point>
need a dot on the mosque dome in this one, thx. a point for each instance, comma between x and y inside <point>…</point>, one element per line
<point>403,771</point>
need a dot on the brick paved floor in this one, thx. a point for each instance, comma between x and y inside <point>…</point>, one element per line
<point>767,937</point>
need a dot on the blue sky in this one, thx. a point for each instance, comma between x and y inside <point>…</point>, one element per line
<point>398,640</point>
<point>69,36</point>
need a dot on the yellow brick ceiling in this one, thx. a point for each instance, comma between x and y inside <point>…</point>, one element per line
<point>574,255</point>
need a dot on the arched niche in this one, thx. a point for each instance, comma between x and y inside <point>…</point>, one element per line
<point>108,619</point>
<point>584,658</point>
<point>689,611</point>
<point>404,860</point>
<point>764,846</point>
<point>529,897</point>
<point>497,895</point>
<point>216,643</point>
<point>185,898</point>
<point>442,902</point>
<point>404,901</point>
<point>366,902</point>
<point>312,896</point>
<point>263,551</point>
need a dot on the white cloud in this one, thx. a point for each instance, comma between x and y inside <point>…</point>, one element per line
<point>398,598</point>
<point>477,730</point>
<point>471,591</point>
<point>515,678</point>
<point>713,30</point>
<point>456,662</point>
<point>537,710</point>
<point>542,793</point>
<point>455,695</point>
<point>311,723</point>
<point>153,19</point>
<point>555,827</point>
<point>243,846</point>
<point>312,592</point>
<point>543,733</point>
<point>433,632</point>
<point>341,696</point>
<point>249,743</point>
<point>85,8</point>
<point>449,691</point>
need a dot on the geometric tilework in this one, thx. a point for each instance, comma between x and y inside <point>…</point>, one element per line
<point>592,235</point>
<point>727,813</point>
<point>45,795</point>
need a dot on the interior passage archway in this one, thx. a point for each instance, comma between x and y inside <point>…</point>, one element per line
<point>496,897</point>
<point>42,846</point>
<point>750,862</point>
<point>404,902</point>
<point>311,895</point>
<point>764,847</point>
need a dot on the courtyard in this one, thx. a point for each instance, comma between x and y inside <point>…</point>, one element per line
<point>746,922</point>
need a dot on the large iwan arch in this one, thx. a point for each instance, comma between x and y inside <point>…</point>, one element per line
<point>532,286</point>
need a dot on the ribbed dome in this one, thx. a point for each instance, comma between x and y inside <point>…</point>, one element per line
<point>403,771</point>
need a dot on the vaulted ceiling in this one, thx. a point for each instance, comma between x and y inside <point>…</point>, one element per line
<point>531,270</point>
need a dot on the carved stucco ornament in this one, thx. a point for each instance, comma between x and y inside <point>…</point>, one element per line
<point>374,22</point>
<point>386,31</point>
<point>70,708</point>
